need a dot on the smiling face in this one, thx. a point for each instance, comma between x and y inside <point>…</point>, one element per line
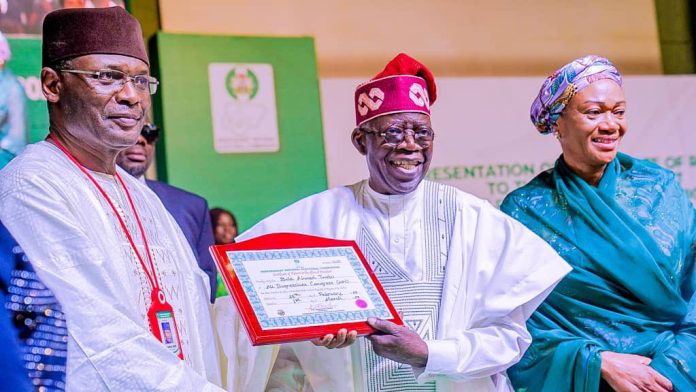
<point>592,126</point>
<point>394,169</point>
<point>225,229</point>
<point>103,117</point>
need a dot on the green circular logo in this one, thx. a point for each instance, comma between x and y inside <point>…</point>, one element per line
<point>242,83</point>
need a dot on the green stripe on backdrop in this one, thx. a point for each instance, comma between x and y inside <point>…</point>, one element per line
<point>26,65</point>
<point>251,185</point>
<point>675,25</point>
<point>147,13</point>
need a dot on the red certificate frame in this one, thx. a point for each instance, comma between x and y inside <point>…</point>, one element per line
<point>282,241</point>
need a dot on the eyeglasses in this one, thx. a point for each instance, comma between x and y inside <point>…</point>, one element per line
<point>113,80</point>
<point>394,135</point>
<point>150,132</point>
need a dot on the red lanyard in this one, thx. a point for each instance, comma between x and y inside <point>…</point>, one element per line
<point>151,277</point>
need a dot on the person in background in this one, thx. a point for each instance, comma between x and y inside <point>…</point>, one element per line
<point>464,275</point>
<point>225,230</point>
<point>14,16</point>
<point>39,10</point>
<point>224,226</point>
<point>13,109</point>
<point>188,209</point>
<point>620,320</point>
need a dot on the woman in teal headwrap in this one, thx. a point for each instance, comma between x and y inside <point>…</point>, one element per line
<point>621,319</point>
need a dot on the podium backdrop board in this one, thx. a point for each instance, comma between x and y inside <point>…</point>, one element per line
<point>255,95</point>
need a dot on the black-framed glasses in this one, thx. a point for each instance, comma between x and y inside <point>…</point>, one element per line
<point>395,135</point>
<point>114,80</point>
<point>150,132</point>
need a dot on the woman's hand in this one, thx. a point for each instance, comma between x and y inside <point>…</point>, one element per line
<point>631,373</point>
<point>342,339</point>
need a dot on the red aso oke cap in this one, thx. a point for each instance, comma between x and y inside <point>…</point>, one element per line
<point>77,32</point>
<point>405,85</point>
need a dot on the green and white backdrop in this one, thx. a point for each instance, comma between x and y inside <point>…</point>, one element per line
<point>261,156</point>
<point>242,120</point>
<point>26,65</point>
<point>485,143</point>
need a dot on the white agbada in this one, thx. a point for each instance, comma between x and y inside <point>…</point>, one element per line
<point>78,249</point>
<point>497,273</point>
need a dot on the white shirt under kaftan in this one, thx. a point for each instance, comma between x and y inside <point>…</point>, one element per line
<point>497,273</point>
<point>77,247</point>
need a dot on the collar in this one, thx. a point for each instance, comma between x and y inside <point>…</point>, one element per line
<point>390,199</point>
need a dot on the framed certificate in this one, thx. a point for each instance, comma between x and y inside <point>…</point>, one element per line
<point>292,287</point>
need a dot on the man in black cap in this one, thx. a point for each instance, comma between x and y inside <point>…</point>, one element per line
<point>135,301</point>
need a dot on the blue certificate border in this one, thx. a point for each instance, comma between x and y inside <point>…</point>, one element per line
<point>237,259</point>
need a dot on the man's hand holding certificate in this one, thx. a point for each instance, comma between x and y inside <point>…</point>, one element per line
<point>292,287</point>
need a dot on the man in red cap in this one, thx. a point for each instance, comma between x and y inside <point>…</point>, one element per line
<point>464,276</point>
<point>135,300</point>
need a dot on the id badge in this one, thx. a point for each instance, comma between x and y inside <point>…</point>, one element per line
<point>163,323</point>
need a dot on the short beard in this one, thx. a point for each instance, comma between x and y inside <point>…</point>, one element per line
<point>135,170</point>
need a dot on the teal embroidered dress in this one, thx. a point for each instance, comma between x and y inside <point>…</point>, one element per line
<point>630,241</point>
